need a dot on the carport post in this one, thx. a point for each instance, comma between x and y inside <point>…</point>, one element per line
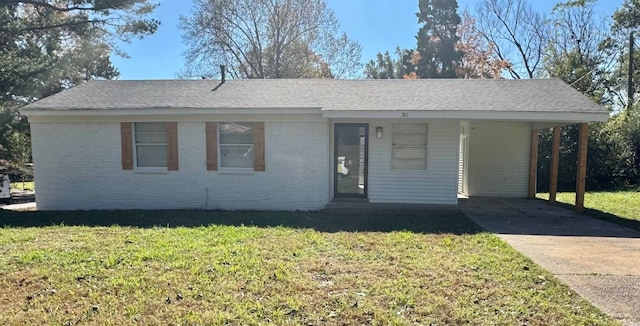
<point>555,159</point>
<point>533,164</point>
<point>581,177</point>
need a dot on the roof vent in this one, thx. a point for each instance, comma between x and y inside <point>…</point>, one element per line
<point>222,78</point>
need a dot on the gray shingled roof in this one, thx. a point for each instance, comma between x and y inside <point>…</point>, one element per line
<point>500,95</point>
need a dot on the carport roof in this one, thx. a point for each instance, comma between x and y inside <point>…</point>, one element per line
<point>465,95</point>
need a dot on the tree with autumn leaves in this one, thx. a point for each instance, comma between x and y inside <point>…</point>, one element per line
<point>448,46</point>
<point>478,59</point>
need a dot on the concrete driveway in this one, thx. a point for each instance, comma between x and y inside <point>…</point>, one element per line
<point>597,259</point>
<point>20,200</point>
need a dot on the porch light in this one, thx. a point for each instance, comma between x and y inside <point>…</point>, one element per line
<point>378,132</point>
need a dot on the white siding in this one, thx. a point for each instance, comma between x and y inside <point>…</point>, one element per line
<point>499,159</point>
<point>78,166</point>
<point>436,185</point>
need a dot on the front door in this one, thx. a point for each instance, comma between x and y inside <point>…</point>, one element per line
<point>350,159</point>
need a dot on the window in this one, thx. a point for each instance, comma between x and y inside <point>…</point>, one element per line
<point>239,145</point>
<point>409,147</point>
<point>151,144</point>
<point>236,145</point>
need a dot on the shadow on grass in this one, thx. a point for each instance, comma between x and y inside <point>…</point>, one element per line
<point>418,221</point>
<point>633,224</point>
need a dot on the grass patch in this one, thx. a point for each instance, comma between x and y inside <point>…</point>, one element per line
<point>239,268</point>
<point>27,185</point>
<point>621,207</point>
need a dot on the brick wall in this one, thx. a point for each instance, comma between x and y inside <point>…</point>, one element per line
<point>78,166</point>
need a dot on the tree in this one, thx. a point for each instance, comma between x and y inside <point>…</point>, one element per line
<point>626,20</point>
<point>385,67</point>
<point>437,56</point>
<point>47,46</point>
<point>573,55</point>
<point>573,52</point>
<point>123,19</point>
<point>45,41</point>
<point>478,60</point>
<point>267,39</point>
<point>517,32</point>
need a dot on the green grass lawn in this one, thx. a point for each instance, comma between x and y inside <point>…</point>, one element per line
<point>240,268</point>
<point>27,185</point>
<point>622,207</point>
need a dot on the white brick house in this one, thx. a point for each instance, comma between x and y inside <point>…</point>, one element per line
<point>291,144</point>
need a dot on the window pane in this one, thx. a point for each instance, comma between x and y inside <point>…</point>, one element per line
<point>409,152</point>
<point>244,138</point>
<point>236,156</point>
<point>410,128</point>
<point>236,127</point>
<point>409,164</point>
<point>151,155</point>
<point>409,158</point>
<point>151,137</point>
<point>409,134</point>
<point>236,144</point>
<point>151,126</point>
<point>409,140</point>
<point>236,150</point>
<point>409,146</point>
<point>237,162</point>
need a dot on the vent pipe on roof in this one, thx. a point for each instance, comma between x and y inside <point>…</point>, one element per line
<point>222,78</point>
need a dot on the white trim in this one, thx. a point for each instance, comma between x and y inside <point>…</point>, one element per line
<point>166,111</point>
<point>312,114</point>
<point>292,114</point>
<point>177,118</point>
<point>559,117</point>
<point>228,170</point>
<point>150,170</point>
<point>546,125</point>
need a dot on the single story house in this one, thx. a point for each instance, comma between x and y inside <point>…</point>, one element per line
<point>293,143</point>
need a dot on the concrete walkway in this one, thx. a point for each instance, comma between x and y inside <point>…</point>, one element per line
<point>31,206</point>
<point>597,259</point>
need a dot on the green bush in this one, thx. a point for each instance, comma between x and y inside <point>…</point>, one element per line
<point>613,155</point>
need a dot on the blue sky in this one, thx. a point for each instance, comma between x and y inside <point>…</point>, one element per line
<point>378,25</point>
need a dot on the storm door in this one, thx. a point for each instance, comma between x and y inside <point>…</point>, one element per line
<point>351,142</point>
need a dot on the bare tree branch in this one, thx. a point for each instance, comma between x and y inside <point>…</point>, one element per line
<point>267,39</point>
<point>517,31</point>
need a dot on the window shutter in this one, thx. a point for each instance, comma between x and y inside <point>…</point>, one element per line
<point>258,146</point>
<point>172,146</point>
<point>126,139</point>
<point>211,132</point>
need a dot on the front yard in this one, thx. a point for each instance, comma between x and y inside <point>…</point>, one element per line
<point>622,207</point>
<point>27,185</point>
<point>239,268</point>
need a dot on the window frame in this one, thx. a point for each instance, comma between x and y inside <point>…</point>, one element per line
<point>149,169</point>
<point>235,169</point>
<point>425,147</point>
